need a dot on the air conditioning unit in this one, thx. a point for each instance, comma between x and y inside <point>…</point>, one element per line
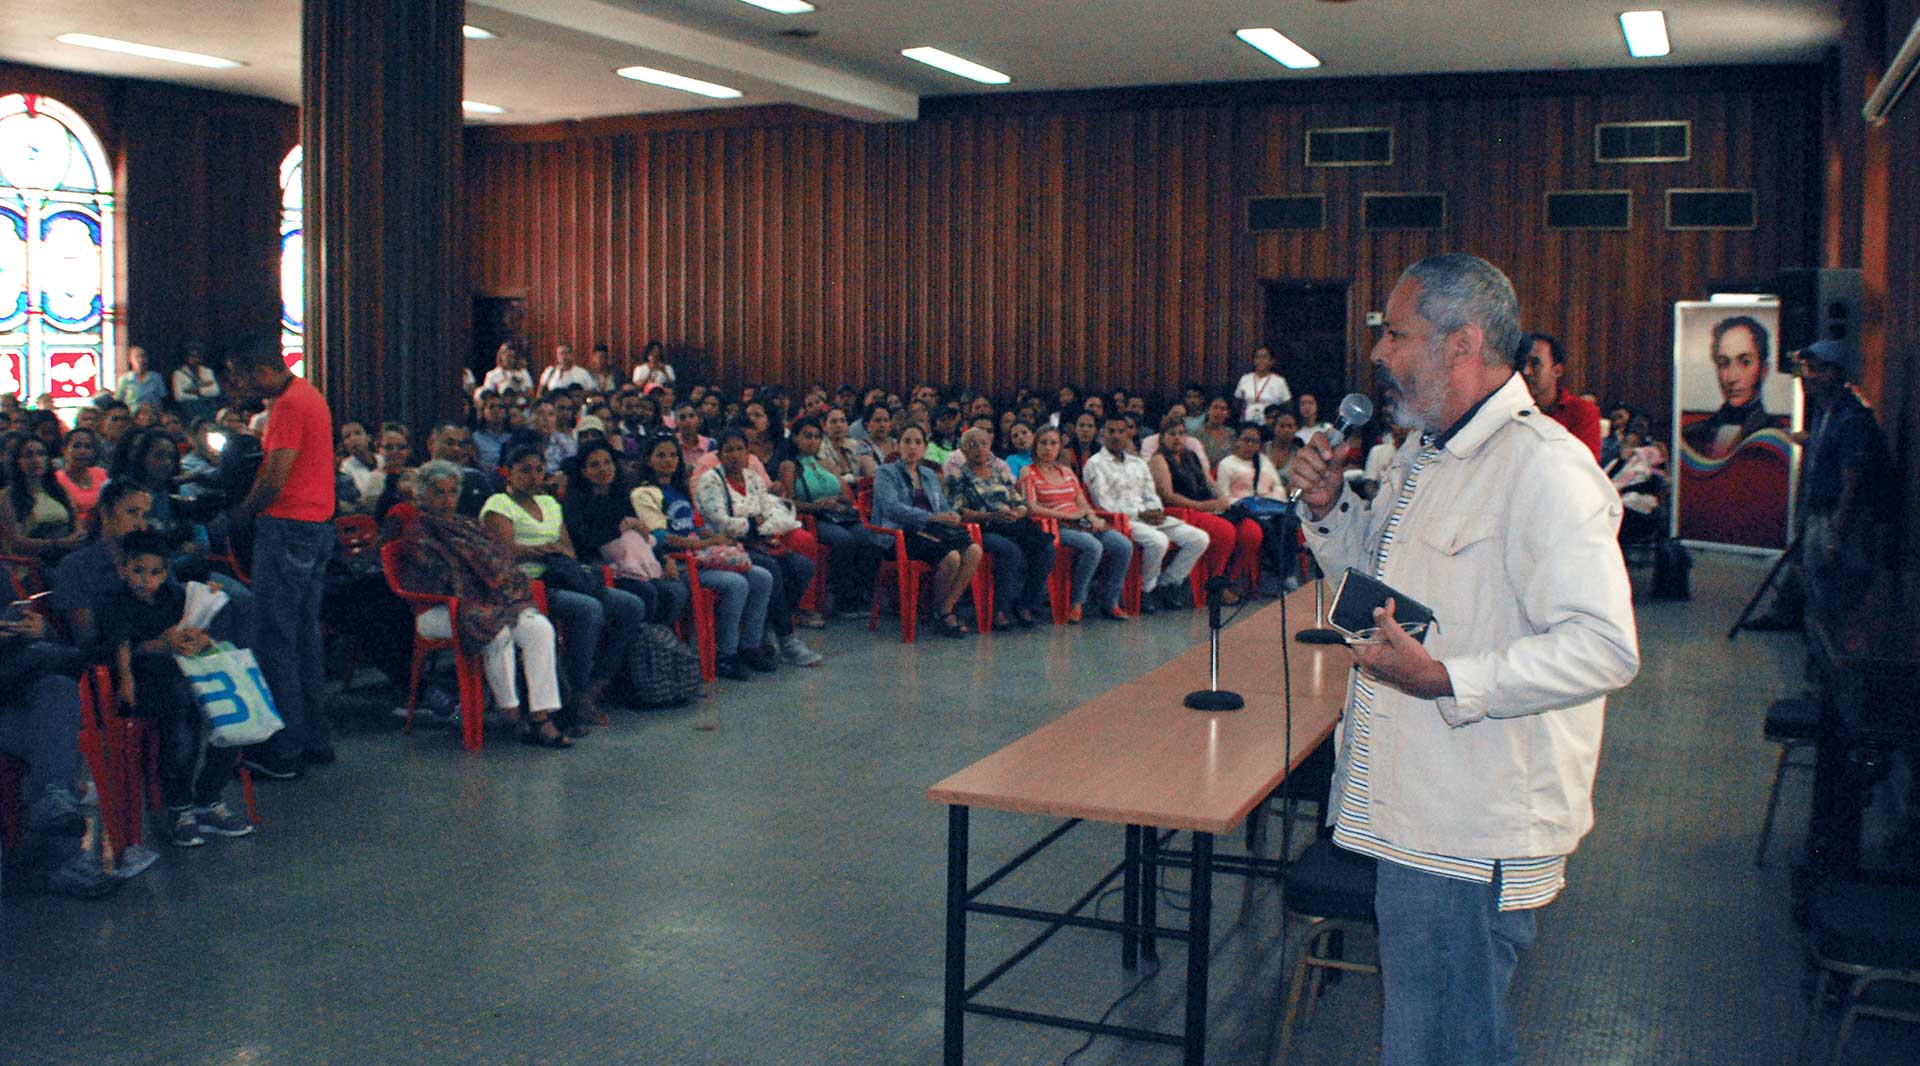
<point>1899,75</point>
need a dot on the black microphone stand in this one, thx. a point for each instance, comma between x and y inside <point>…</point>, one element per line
<point>1319,634</point>
<point>1213,697</point>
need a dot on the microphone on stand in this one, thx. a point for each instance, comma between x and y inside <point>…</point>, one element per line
<point>1356,410</point>
<point>1213,698</point>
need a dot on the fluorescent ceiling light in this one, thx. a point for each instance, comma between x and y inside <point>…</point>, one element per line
<point>475,33</point>
<point>1279,48</point>
<point>785,7</point>
<point>678,81</point>
<point>146,51</point>
<point>478,108</point>
<point>953,64</point>
<point>1646,33</point>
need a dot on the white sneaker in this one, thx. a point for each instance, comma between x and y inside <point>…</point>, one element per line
<point>134,859</point>
<point>795,653</point>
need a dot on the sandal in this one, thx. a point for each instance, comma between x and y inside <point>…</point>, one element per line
<point>1001,623</point>
<point>542,733</point>
<point>953,626</point>
<point>1025,618</point>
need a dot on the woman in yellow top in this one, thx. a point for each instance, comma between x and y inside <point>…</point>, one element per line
<point>598,624</point>
<point>36,519</point>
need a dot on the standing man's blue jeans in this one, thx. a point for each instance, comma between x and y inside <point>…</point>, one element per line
<point>289,578</point>
<point>1109,548</point>
<point>1447,954</point>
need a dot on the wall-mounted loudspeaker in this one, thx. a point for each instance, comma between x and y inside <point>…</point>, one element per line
<point>1350,146</point>
<point>1404,210</point>
<point>1712,209</point>
<point>1590,209</point>
<point>1643,142</point>
<point>1819,305</point>
<point>1307,211</point>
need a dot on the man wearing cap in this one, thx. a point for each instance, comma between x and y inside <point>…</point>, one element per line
<point>1844,470</point>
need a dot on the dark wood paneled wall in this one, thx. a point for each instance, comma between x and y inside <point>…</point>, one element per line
<point>1873,222</point>
<point>1100,237</point>
<point>197,180</point>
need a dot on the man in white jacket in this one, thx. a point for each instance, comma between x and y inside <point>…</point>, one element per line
<point>1467,753</point>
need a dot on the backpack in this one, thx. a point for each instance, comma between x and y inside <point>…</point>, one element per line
<point>1672,565</point>
<point>666,673</point>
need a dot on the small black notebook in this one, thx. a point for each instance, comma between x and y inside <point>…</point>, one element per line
<point>1354,602</point>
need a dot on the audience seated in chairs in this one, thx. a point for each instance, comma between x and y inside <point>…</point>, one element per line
<point>446,553</point>
<point>739,502</point>
<point>40,725</point>
<point>1259,490</point>
<point>1639,473</point>
<point>1053,491</point>
<point>89,576</point>
<point>1182,481</point>
<point>820,490</point>
<point>601,522</point>
<point>599,623</point>
<point>908,496</point>
<point>1121,482</point>
<point>140,632</point>
<point>743,590</point>
<point>37,520</point>
<point>80,473</point>
<point>985,493</point>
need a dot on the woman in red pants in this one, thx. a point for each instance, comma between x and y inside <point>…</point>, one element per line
<point>1183,482</point>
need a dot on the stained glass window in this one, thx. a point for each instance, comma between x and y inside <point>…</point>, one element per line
<point>56,253</point>
<point>293,284</point>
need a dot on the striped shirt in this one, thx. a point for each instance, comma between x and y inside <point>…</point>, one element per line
<point>1524,883</point>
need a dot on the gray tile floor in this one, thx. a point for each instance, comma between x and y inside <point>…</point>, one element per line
<point>771,892</point>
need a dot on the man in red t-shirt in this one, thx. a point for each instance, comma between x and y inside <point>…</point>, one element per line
<point>291,507</point>
<point>1542,360</point>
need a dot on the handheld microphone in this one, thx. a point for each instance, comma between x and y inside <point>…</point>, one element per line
<point>1355,411</point>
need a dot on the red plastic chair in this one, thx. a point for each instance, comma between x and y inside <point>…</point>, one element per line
<point>357,533</point>
<point>815,598</point>
<point>702,620</point>
<point>702,612</point>
<point>1060,578</point>
<point>906,573</point>
<point>27,575</point>
<point>468,670</point>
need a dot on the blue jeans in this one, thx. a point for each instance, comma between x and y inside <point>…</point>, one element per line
<point>289,577</point>
<point>596,633</point>
<point>578,620</point>
<point>42,726</point>
<point>1447,954</point>
<point>1090,551</point>
<point>1021,565</point>
<point>792,572</point>
<point>853,555</point>
<point>238,621</point>
<point>740,608</point>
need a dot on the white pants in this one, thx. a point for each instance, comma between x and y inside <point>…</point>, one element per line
<point>1155,539</point>
<point>532,635</point>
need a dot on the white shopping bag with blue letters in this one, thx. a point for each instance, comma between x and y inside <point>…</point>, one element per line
<point>231,693</point>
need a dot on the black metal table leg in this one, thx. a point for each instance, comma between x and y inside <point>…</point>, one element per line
<point>1199,946</point>
<point>1149,890</point>
<point>1130,901</point>
<point>956,992</point>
